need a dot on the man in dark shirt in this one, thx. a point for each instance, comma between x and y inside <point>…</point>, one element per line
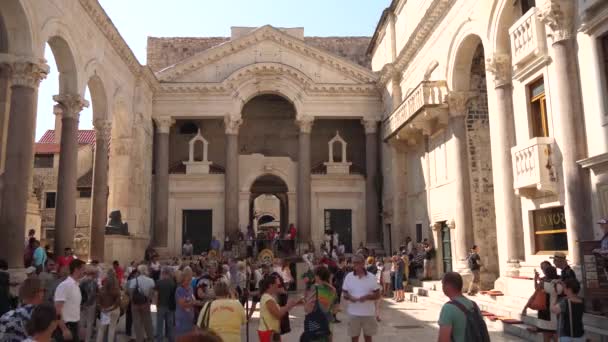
<point>165,299</point>
<point>559,259</point>
<point>474,264</point>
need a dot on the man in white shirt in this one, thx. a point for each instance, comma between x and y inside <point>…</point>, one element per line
<point>67,302</point>
<point>142,316</point>
<point>361,290</point>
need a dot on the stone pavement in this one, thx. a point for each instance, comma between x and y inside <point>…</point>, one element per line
<point>404,321</point>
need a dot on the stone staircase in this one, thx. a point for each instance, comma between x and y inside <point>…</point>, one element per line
<point>429,292</point>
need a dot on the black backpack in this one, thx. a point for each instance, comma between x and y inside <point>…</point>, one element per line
<point>476,329</point>
<point>138,297</point>
<point>471,263</point>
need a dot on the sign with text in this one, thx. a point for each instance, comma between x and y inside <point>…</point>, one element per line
<point>595,278</point>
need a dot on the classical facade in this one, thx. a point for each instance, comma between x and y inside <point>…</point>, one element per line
<point>494,130</point>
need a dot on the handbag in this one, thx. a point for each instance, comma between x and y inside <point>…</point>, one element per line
<point>274,336</point>
<point>539,300</point>
<point>316,323</point>
<point>204,321</point>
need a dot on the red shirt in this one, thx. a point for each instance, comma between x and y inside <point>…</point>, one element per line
<point>64,261</point>
<point>292,233</point>
<point>120,273</point>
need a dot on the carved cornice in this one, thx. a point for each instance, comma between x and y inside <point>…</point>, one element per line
<point>558,15</point>
<point>232,124</point>
<point>163,124</point>
<point>305,123</point>
<point>266,33</point>
<point>458,102</point>
<point>433,16</point>
<point>501,68</point>
<point>69,106</point>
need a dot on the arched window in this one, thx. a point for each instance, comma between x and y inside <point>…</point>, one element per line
<point>188,127</point>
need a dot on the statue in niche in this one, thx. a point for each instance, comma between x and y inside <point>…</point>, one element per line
<point>115,226</point>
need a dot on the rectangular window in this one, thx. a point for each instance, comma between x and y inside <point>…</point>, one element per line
<point>49,202</point>
<point>84,192</point>
<point>49,234</point>
<point>43,161</point>
<point>526,5</point>
<point>550,232</point>
<point>538,109</point>
<point>604,60</point>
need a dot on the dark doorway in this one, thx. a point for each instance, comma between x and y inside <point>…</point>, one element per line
<point>197,227</point>
<point>340,221</point>
<point>446,247</point>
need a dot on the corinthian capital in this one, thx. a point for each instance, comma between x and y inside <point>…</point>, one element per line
<point>458,102</point>
<point>370,125</point>
<point>103,129</point>
<point>69,106</point>
<point>232,123</point>
<point>164,123</point>
<point>305,123</point>
<point>558,15</point>
<point>499,66</point>
<point>27,73</point>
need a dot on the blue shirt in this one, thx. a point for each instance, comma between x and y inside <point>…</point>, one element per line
<point>39,256</point>
<point>215,244</point>
<point>184,318</point>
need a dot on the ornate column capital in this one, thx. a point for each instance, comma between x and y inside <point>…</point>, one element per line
<point>103,129</point>
<point>452,224</point>
<point>558,15</point>
<point>370,125</point>
<point>499,65</point>
<point>164,123</point>
<point>436,227</point>
<point>26,73</point>
<point>305,123</point>
<point>69,106</point>
<point>232,123</point>
<point>458,101</point>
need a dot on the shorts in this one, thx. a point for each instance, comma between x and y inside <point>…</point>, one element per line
<point>399,281</point>
<point>368,324</point>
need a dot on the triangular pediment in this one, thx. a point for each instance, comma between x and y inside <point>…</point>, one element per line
<point>266,45</point>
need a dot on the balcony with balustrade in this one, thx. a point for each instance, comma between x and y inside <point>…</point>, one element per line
<point>528,43</point>
<point>424,109</point>
<point>534,167</point>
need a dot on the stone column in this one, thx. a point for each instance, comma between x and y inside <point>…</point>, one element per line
<point>99,203</point>
<point>463,220</point>
<point>161,181</point>
<point>371,179</point>
<point>5,74</point>
<point>558,15</point>
<point>69,107</point>
<point>231,178</point>
<point>304,199</point>
<point>507,205</point>
<point>25,78</point>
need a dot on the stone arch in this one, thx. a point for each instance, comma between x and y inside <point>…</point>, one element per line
<point>461,57</point>
<point>16,34</point>
<point>252,178</point>
<point>269,78</point>
<point>98,98</point>
<point>57,36</point>
<point>502,16</point>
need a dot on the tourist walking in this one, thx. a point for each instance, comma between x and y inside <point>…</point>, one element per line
<point>185,303</point>
<point>270,311</point>
<point>570,309</point>
<point>399,274</point>
<point>88,305</point>
<point>165,304</point>
<point>39,258</point>
<point>108,302</point>
<point>13,323</point>
<point>223,315</point>
<point>455,315</point>
<point>319,308</point>
<point>474,265</point>
<point>67,302</point>
<point>545,286</point>
<point>42,323</point>
<point>361,290</point>
<point>427,263</point>
<point>560,261</point>
<point>5,288</point>
<point>141,289</point>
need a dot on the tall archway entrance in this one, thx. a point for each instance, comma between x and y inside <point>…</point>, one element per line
<point>268,204</point>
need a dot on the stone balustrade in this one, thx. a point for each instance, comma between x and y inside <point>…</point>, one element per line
<point>528,39</point>
<point>426,94</point>
<point>533,167</point>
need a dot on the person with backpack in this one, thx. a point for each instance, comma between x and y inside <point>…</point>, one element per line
<point>460,319</point>
<point>320,305</point>
<point>474,265</point>
<point>141,290</point>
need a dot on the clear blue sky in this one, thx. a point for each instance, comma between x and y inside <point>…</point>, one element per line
<point>138,19</point>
